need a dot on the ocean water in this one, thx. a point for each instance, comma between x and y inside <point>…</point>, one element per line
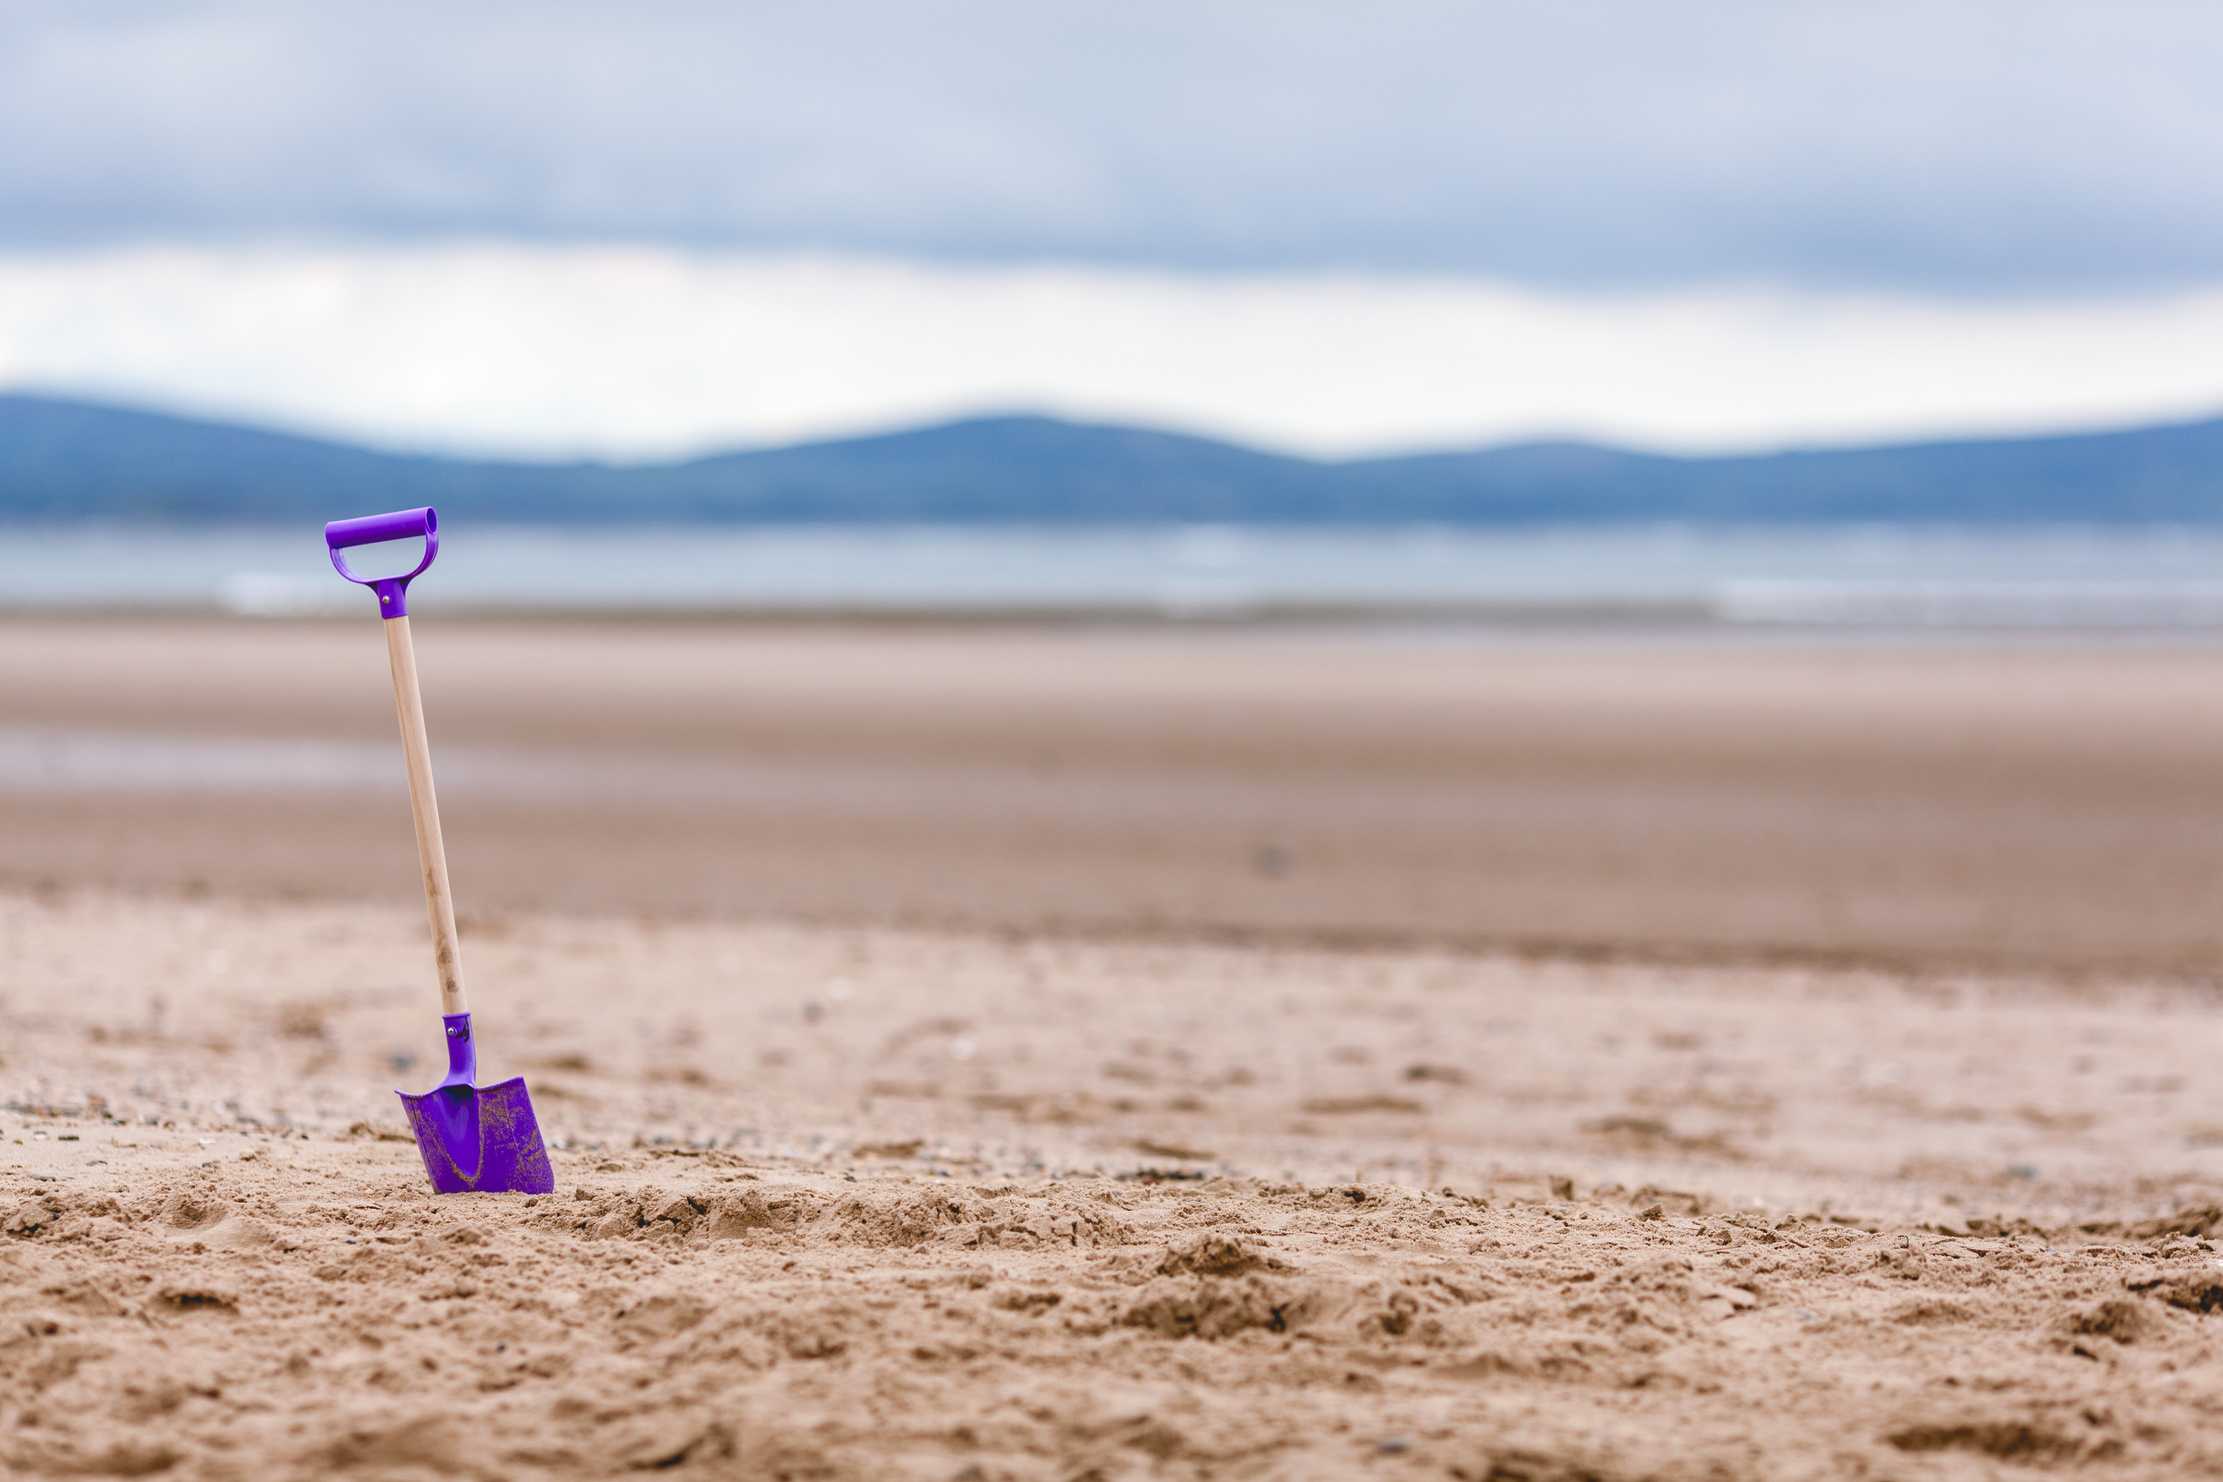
<point>1893,576</point>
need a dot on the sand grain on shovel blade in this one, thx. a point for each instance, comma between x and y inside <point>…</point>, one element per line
<point>1060,1208</point>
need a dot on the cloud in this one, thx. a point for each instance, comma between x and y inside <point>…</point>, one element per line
<point>1949,146</point>
<point>641,352</point>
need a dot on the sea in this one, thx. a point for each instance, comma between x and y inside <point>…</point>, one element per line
<point>1891,576</point>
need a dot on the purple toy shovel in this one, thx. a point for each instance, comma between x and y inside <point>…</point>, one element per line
<point>472,1137</point>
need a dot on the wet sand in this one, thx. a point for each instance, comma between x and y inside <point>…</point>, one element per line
<point>2002,805</point>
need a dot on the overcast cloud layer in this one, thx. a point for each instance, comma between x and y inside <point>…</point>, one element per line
<point>2009,146</point>
<point>640,352</point>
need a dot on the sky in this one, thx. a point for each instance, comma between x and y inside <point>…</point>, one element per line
<point>650,228</point>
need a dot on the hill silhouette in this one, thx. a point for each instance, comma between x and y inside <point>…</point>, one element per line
<point>64,460</point>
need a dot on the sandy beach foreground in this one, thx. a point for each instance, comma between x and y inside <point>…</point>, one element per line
<point>867,1202</point>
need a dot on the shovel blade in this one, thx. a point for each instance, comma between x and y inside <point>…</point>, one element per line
<point>480,1138</point>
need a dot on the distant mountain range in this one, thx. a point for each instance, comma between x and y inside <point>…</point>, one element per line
<point>64,460</point>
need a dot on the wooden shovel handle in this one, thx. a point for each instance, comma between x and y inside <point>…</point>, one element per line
<point>431,854</point>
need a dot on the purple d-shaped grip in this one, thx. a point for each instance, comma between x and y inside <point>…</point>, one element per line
<point>393,591</point>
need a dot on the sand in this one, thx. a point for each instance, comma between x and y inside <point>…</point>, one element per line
<point>1077,1053</point>
<point>2054,805</point>
<point>843,1200</point>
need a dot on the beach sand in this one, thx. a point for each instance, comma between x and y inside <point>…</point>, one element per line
<point>1987,803</point>
<point>1638,1060</point>
<point>854,1202</point>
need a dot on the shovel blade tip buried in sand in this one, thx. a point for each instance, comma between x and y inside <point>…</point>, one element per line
<point>476,1138</point>
<point>480,1139</point>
